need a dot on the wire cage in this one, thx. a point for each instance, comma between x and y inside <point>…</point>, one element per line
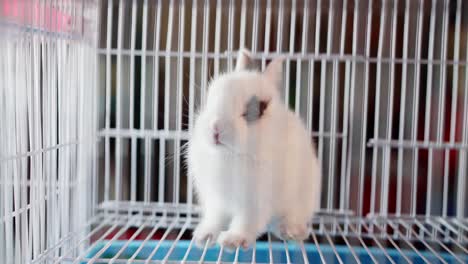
<point>97,99</point>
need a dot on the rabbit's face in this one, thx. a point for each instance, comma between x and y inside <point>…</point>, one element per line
<point>239,107</point>
<point>236,105</point>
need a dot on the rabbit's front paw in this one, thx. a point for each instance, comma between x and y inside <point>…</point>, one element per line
<point>204,233</point>
<point>231,240</point>
<point>296,232</point>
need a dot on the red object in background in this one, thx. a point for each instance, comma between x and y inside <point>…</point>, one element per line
<point>36,14</point>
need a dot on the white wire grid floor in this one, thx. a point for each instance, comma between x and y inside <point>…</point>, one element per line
<point>131,232</point>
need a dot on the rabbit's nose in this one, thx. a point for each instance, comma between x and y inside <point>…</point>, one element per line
<point>216,132</point>
<point>216,138</point>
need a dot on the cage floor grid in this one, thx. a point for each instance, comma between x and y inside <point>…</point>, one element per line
<point>165,237</point>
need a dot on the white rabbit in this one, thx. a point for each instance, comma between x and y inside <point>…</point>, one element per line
<point>252,160</point>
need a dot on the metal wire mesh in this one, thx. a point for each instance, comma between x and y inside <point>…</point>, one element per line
<point>387,110</point>
<point>156,235</point>
<point>98,98</point>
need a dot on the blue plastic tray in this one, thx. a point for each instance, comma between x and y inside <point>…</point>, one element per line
<point>262,253</point>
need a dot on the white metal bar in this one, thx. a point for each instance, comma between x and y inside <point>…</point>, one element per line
<point>462,172</point>
<point>118,77</point>
<point>254,250</point>
<point>461,226</point>
<point>66,251</point>
<point>304,254</point>
<point>204,72</point>
<point>27,136</point>
<point>279,37</point>
<point>29,154</point>
<point>459,223</point>
<point>7,191</point>
<point>414,130</point>
<point>358,236</point>
<point>422,241</point>
<point>416,144</point>
<point>184,135</point>
<point>92,245</point>
<point>162,140</point>
<point>148,149</point>
<point>288,258</point>
<point>236,256</point>
<point>449,226</point>
<point>426,231</point>
<point>378,84</point>
<point>438,229</point>
<point>323,80</point>
<point>350,247</point>
<point>294,56</point>
<point>121,231</point>
<point>292,31</point>
<point>334,104</point>
<point>184,259</point>
<point>217,35</point>
<point>174,243</point>
<point>35,163</point>
<point>242,24</point>
<point>54,233</point>
<point>220,255</point>
<point>372,235</point>
<point>205,248</point>
<point>72,235</point>
<point>270,251</point>
<point>167,89</point>
<point>317,245</point>
<point>393,243</point>
<point>267,33</point>
<point>304,39</point>
<point>131,110</point>
<point>64,132</point>
<point>157,48</point>
<point>332,244</point>
<point>40,60</point>
<point>345,184</point>
<point>180,94</point>
<point>11,193</point>
<point>408,242</point>
<point>255,26</point>
<point>47,98</point>
<point>428,116</point>
<point>166,233</point>
<point>108,101</point>
<point>132,238</point>
<point>366,105</point>
<point>230,33</point>
<point>441,110</point>
<point>143,65</point>
<point>401,131</point>
<point>97,88</point>
<point>454,103</point>
<point>386,155</point>
<point>150,235</point>
<point>193,47</point>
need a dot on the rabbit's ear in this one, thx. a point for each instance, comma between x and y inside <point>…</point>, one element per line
<point>274,70</point>
<point>243,60</point>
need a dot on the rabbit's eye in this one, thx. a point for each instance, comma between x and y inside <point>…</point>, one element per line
<point>254,109</point>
